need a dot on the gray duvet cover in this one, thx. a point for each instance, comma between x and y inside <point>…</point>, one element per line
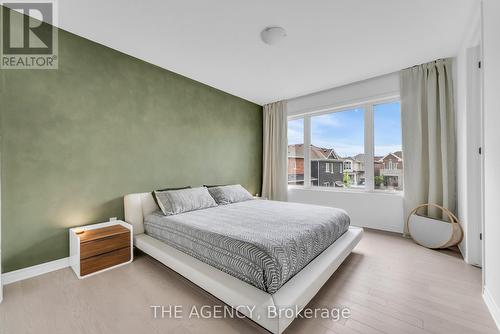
<point>263,243</point>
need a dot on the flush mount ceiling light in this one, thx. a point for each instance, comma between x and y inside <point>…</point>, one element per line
<point>273,35</point>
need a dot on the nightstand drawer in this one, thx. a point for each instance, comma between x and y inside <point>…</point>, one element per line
<point>103,261</point>
<point>104,245</point>
<point>100,247</point>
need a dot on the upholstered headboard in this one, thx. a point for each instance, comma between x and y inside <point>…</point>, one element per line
<point>137,206</point>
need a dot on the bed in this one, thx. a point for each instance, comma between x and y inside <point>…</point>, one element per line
<point>241,253</point>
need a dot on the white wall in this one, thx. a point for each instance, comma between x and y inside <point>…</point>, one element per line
<point>367,209</point>
<point>491,58</point>
<point>468,135</point>
<point>374,210</point>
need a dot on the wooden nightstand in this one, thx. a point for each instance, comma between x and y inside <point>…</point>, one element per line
<point>100,247</point>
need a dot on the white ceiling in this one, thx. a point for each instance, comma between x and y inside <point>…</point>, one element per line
<point>329,42</point>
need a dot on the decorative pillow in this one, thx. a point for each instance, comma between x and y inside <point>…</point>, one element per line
<point>165,189</point>
<point>173,202</point>
<point>230,194</point>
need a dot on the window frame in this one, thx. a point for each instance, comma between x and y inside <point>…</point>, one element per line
<point>369,142</point>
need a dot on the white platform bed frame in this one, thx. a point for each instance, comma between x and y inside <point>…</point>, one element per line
<point>295,293</point>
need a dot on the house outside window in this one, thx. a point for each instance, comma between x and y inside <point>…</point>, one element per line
<point>353,148</point>
<point>335,143</point>
<point>295,152</point>
<point>387,147</point>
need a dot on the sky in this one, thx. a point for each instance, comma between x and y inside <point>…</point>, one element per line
<point>344,131</point>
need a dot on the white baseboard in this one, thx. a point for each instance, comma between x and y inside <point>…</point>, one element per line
<point>492,306</point>
<point>40,269</point>
<point>463,250</point>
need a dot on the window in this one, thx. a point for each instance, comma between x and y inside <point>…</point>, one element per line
<point>335,137</point>
<point>296,152</point>
<point>329,168</point>
<point>353,148</point>
<point>388,159</point>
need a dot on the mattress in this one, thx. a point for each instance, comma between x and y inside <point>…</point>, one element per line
<point>263,243</point>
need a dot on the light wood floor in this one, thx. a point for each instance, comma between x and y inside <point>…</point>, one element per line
<point>390,284</point>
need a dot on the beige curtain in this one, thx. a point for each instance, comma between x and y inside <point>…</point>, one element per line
<point>429,143</point>
<point>274,171</point>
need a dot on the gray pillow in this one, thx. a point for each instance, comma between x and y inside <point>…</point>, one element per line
<point>173,202</point>
<point>230,194</point>
<point>165,189</point>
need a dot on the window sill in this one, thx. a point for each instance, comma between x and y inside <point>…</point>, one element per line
<point>349,191</point>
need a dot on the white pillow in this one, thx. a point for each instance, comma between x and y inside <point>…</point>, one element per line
<point>230,194</point>
<point>173,202</point>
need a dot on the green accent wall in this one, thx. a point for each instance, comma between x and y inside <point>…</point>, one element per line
<point>76,139</point>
